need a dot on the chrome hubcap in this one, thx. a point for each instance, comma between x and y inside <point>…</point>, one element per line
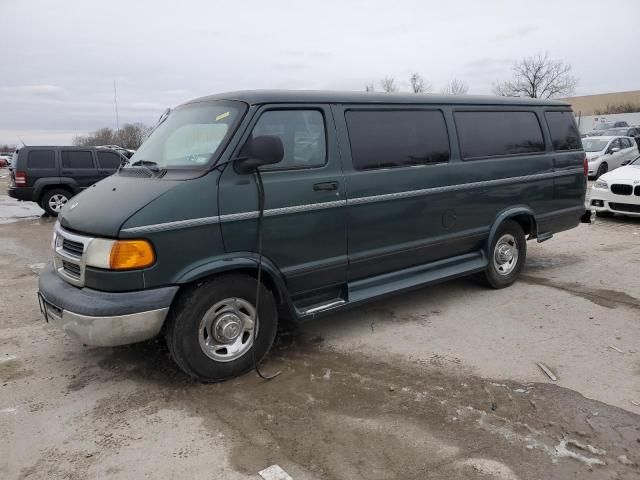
<point>505,254</point>
<point>57,201</point>
<point>226,329</point>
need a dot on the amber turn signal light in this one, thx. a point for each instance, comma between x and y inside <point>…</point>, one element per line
<point>128,254</point>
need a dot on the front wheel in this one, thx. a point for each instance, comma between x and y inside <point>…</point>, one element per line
<point>508,253</point>
<point>210,330</point>
<point>602,169</point>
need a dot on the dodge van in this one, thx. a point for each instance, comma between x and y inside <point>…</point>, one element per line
<point>242,209</point>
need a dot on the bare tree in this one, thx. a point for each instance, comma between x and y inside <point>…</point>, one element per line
<point>388,84</point>
<point>538,77</point>
<point>131,135</point>
<point>369,87</point>
<point>455,87</point>
<point>419,84</point>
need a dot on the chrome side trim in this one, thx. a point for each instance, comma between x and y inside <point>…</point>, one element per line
<point>321,308</point>
<point>235,217</point>
<point>161,227</point>
<point>462,186</point>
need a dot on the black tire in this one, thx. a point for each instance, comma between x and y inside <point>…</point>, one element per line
<point>48,198</point>
<point>602,169</point>
<point>492,276</point>
<point>183,336</point>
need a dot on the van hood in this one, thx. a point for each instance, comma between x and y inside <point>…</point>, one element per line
<point>101,209</point>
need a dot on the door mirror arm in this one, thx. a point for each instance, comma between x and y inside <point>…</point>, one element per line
<point>258,151</point>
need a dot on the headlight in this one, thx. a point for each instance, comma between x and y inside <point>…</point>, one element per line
<point>601,185</point>
<point>119,254</point>
<point>593,159</point>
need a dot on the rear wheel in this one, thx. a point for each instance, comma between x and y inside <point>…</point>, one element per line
<point>210,330</point>
<point>602,169</point>
<point>508,253</point>
<point>53,200</point>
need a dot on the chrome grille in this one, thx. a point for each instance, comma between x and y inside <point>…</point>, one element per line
<point>71,268</point>
<point>69,255</point>
<point>74,248</point>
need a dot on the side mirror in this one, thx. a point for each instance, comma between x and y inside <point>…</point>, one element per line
<point>613,150</point>
<point>258,151</point>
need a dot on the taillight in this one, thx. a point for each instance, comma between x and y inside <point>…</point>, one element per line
<point>21,179</point>
<point>585,164</point>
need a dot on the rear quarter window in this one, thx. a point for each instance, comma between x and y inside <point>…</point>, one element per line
<point>485,134</point>
<point>41,159</point>
<point>77,159</point>
<point>564,131</point>
<point>397,138</point>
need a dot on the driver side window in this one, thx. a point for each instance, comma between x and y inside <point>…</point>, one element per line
<point>303,137</point>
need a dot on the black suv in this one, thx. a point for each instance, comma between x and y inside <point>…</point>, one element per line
<point>50,176</point>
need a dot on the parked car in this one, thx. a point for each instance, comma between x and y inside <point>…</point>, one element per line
<point>608,153</point>
<point>5,159</point>
<point>618,191</point>
<point>123,151</point>
<point>311,202</point>
<point>633,132</point>
<point>50,176</point>
<point>600,128</point>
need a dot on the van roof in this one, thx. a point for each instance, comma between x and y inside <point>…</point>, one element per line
<point>256,97</point>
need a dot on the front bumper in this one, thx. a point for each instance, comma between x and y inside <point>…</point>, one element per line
<point>103,319</point>
<point>606,201</point>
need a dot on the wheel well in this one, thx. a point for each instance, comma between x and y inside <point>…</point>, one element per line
<point>48,188</point>
<point>266,279</point>
<point>528,224</point>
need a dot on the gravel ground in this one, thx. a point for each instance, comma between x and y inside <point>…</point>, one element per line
<point>440,383</point>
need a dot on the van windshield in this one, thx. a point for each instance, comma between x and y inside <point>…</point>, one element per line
<point>190,136</point>
<point>594,144</point>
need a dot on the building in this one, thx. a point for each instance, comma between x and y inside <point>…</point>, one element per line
<point>605,103</point>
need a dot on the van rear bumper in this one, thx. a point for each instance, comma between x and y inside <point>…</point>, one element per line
<point>103,319</point>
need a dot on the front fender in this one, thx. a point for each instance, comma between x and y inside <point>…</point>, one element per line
<point>243,261</point>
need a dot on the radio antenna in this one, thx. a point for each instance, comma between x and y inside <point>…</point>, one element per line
<point>115,102</point>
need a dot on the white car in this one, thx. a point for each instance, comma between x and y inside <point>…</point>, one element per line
<point>618,191</point>
<point>608,153</point>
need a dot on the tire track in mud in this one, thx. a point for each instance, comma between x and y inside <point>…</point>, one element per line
<point>372,420</point>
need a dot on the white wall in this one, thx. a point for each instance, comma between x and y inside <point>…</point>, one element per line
<point>587,124</point>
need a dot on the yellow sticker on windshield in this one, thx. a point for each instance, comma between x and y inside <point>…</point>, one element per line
<point>223,115</point>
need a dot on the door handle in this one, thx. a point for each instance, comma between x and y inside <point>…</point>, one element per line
<point>325,186</point>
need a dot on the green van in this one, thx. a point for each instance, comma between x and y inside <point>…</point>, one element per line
<point>244,208</point>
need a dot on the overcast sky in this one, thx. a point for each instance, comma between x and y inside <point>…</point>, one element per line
<point>58,60</point>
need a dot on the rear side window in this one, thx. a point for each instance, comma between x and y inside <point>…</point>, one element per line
<point>564,132</point>
<point>77,159</point>
<point>109,160</point>
<point>303,137</point>
<point>44,159</point>
<point>397,138</point>
<point>492,134</point>
<point>626,143</point>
